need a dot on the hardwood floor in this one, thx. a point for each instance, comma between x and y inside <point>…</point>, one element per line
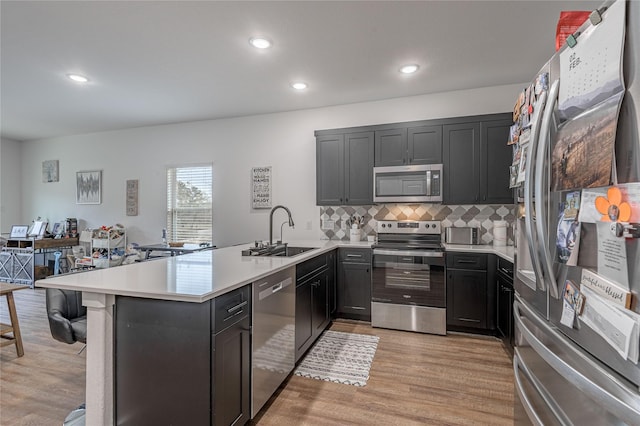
<point>415,379</point>
<point>44,385</point>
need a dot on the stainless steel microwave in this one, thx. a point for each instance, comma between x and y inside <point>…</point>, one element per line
<point>408,184</point>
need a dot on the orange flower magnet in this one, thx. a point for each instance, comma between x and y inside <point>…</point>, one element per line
<point>612,208</point>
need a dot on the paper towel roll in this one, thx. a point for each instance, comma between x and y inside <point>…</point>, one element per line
<point>500,233</point>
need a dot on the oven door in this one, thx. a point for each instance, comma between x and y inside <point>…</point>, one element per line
<point>409,277</point>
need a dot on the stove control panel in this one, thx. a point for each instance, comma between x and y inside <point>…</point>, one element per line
<point>408,227</point>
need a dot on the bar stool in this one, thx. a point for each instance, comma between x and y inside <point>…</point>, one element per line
<point>7,290</point>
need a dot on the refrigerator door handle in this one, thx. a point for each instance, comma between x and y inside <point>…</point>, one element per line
<point>519,365</point>
<point>528,190</point>
<point>625,405</point>
<point>541,192</point>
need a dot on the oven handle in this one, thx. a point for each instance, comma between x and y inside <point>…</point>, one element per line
<point>415,253</point>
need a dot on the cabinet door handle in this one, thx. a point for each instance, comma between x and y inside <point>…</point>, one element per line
<point>468,320</point>
<point>354,255</point>
<point>467,261</point>
<point>238,306</point>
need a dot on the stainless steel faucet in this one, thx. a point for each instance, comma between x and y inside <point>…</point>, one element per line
<point>271,221</point>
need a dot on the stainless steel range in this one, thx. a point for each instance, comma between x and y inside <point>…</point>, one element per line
<point>409,291</point>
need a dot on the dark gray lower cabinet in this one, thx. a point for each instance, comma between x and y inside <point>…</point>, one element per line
<point>183,363</point>
<point>232,374</point>
<point>354,284</point>
<point>471,292</point>
<point>314,283</point>
<point>467,298</point>
<point>162,362</point>
<point>504,292</point>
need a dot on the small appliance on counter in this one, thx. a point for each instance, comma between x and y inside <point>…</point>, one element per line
<point>463,235</point>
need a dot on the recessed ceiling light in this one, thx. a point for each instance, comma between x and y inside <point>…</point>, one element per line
<point>298,85</point>
<point>409,69</point>
<point>260,42</point>
<point>78,78</point>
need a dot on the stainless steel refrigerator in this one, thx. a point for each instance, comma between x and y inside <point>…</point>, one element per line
<point>571,374</point>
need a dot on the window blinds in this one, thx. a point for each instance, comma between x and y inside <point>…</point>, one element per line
<point>189,204</point>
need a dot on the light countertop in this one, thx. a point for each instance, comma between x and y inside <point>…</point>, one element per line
<point>197,277</point>
<point>505,252</point>
<point>194,277</point>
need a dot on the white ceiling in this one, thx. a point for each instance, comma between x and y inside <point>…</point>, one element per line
<point>158,62</point>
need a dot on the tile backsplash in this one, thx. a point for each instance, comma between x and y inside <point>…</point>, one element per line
<point>481,216</point>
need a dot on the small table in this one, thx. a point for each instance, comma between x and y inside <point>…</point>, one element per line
<point>174,251</point>
<point>7,290</point>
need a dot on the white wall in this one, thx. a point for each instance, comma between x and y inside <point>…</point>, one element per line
<point>10,194</point>
<point>284,141</point>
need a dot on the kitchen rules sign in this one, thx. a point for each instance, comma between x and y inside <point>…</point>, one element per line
<point>261,187</point>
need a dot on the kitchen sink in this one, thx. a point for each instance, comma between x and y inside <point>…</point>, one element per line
<point>291,251</point>
<point>281,250</point>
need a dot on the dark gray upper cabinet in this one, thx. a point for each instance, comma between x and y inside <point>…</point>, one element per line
<point>473,151</point>
<point>424,145</point>
<point>344,169</point>
<point>407,146</point>
<point>330,170</point>
<point>358,160</point>
<point>391,147</point>
<point>494,165</point>
<point>476,162</point>
<point>461,163</point>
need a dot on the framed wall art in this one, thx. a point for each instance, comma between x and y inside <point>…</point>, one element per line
<point>261,187</point>
<point>89,187</point>
<point>132,197</point>
<point>50,171</point>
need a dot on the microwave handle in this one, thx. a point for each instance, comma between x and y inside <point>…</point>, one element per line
<point>428,182</point>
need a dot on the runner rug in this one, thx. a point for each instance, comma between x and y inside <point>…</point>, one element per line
<point>340,358</point>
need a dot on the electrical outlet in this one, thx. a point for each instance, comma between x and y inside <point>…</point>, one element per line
<point>328,224</point>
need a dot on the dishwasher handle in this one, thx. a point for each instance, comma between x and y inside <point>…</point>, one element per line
<point>273,288</point>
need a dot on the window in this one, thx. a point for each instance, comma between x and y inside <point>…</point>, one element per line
<point>189,204</point>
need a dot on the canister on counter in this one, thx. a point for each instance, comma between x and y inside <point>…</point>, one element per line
<point>500,233</point>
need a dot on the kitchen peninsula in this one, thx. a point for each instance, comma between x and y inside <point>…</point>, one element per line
<point>194,278</point>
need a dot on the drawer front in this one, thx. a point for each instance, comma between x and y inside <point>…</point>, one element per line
<point>310,266</point>
<point>505,268</point>
<point>355,255</point>
<point>467,261</point>
<point>231,308</point>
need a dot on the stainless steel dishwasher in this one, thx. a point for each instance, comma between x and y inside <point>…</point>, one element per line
<point>273,353</point>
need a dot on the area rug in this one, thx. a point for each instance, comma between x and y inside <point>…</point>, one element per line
<point>340,358</point>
